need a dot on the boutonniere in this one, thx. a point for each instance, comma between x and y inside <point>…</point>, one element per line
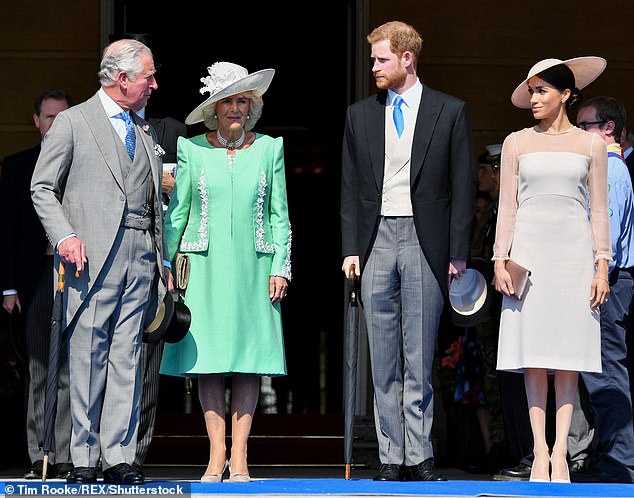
<point>146,128</point>
<point>158,150</point>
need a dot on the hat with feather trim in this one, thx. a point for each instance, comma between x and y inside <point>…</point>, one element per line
<point>226,79</point>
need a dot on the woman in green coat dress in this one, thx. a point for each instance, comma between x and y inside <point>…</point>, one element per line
<point>229,213</point>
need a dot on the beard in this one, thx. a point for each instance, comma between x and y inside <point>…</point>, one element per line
<point>391,80</point>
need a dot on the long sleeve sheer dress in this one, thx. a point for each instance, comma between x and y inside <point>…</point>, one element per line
<point>546,183</point>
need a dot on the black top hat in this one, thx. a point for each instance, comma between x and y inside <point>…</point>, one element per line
<point>171,323</point>
<point>470,296</point>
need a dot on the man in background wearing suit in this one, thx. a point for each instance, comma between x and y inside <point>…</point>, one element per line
<point>97,191</point>
<point>407,203</point>
<point>167,132</point>
<point>27,289</point>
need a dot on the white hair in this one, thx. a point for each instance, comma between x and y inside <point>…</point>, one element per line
<point>121,55</point>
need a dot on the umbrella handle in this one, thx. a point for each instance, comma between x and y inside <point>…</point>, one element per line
<point>351,272</point>
<point>61,276</point>
<point>352,285</point>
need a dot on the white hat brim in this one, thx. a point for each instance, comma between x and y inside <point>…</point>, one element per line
<point>471,307</point>
<point>586,70</point>
<point>257,82</point>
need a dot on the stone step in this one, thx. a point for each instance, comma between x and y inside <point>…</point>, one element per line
<point>276,439</point>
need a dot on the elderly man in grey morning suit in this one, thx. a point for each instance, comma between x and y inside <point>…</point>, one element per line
<point>97,190</point>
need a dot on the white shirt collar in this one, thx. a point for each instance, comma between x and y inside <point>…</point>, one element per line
<point>110,106</point>
<point>411,97</point>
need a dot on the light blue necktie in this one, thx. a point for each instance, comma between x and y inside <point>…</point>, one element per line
<point>130,137</point>
<point>398,115</point>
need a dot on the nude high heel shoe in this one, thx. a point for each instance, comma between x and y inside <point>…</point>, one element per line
<point>238,477</point>
<point>214,477</point>
<point>535,470</point>
<point>563,477</point>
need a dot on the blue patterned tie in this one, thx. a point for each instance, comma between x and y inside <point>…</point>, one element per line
<point>398,115</point>
<point>130,137</point>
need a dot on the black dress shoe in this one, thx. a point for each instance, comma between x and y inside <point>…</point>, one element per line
<point>139,469</point>
<point>63,470</point>
<point>577,466</point>
<point>594,475</point>
<point>82,475</point>
<point>521,472</point>
<point>122,473</point>
<point>389,472</point>
<point>424,471</point>
<point>35,472</point>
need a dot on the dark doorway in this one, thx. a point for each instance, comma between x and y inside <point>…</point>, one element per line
<point>306,105</point>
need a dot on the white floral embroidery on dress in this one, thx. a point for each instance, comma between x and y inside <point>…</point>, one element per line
<point>202,242</point>
<point>260,244</point>
<point>286,269</point>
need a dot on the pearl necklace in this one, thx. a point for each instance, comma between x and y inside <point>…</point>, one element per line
<point>230,144</point>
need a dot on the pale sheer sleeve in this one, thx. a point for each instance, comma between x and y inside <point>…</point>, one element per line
<point>507,208</point>
<point>598,197</point>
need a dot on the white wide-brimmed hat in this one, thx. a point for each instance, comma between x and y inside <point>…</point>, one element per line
<point>586,70</point>
<point>225,79</point>
<point>469,295</point>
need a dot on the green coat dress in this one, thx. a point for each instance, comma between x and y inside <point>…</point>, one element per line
<point>232,221</point>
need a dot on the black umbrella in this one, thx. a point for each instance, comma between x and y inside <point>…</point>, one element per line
<point>52,374</point>
<point>351,346</point>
